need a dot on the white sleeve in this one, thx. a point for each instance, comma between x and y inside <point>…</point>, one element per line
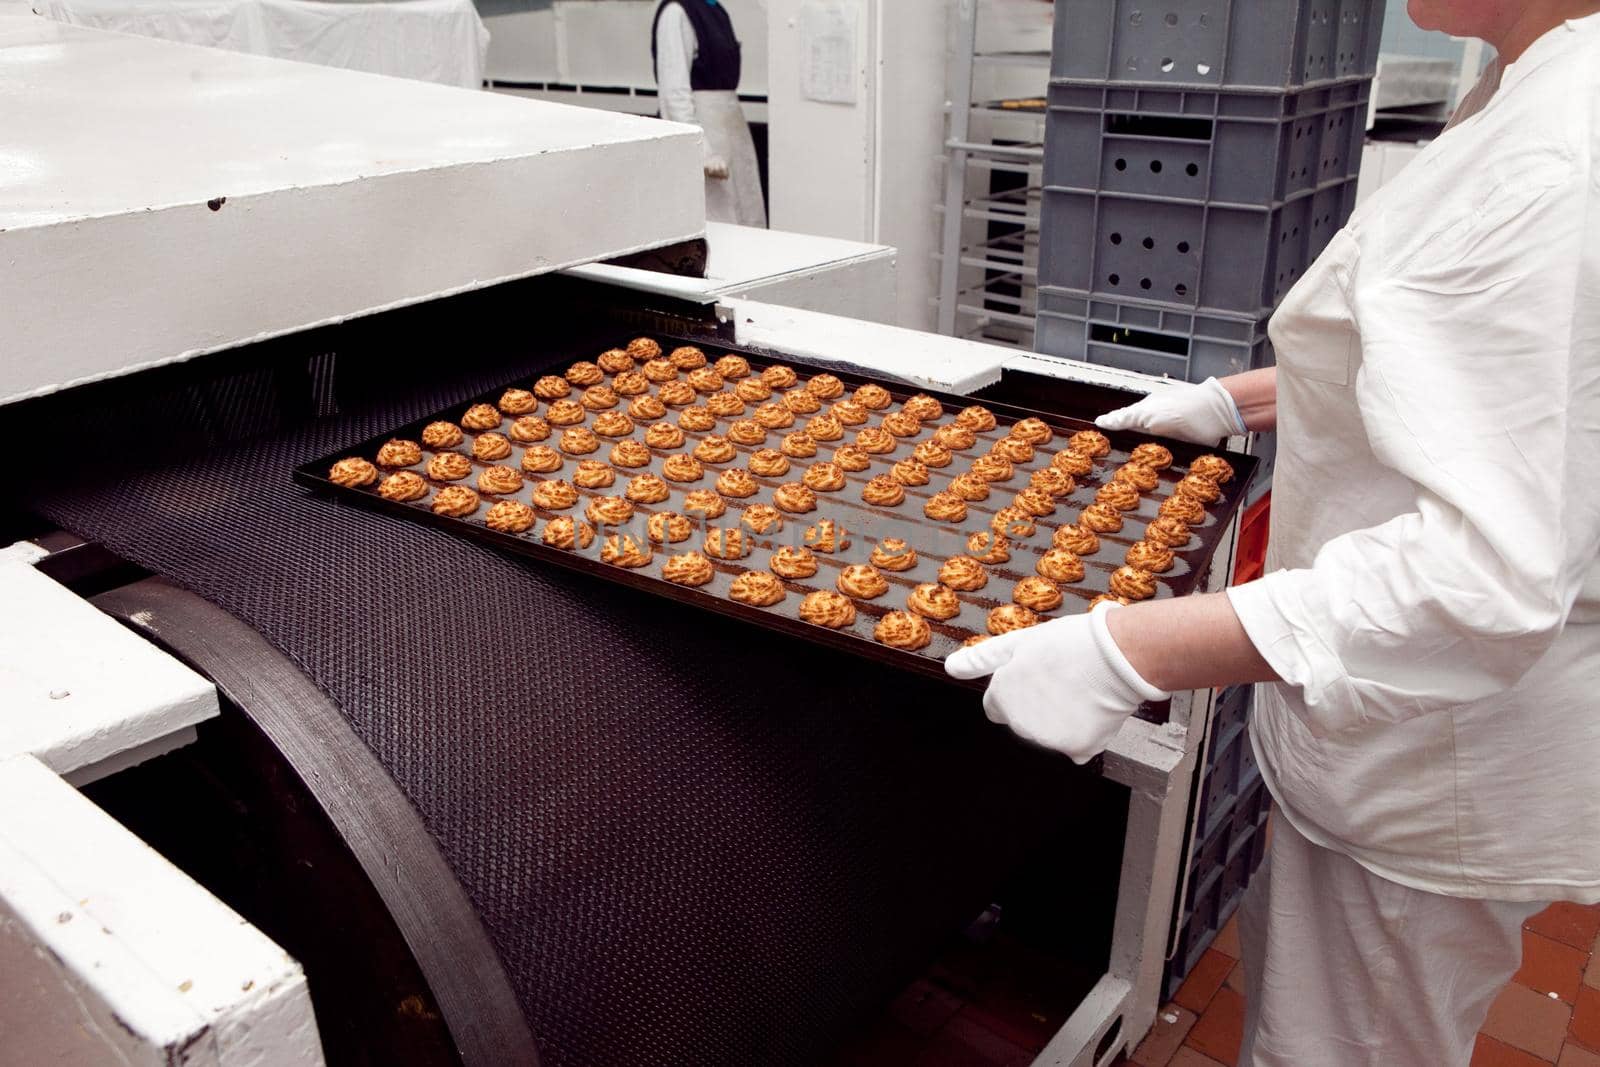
<point>1480,384</point>
<point>676,46</point>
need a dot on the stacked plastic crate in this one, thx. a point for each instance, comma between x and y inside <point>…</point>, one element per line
<point>1199,155</point>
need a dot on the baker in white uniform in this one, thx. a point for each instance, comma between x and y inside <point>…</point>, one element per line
<point>1428,631</point>
<point>697,77</point>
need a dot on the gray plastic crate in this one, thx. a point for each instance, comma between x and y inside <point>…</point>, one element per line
<point>1149,337</point>
<point>1260,44</point>
<point>1220,257</point>
<point>1204,146</point>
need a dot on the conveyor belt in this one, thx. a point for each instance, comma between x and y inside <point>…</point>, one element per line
<point>689,841</point>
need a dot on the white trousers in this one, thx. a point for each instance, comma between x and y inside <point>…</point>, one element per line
<point>1347,969</point>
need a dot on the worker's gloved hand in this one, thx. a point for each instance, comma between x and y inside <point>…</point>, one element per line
<point>1064,685</point>
<point>716,167</point>
<point>1202,413</point>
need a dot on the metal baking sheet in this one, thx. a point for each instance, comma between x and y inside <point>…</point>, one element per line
<point>863,525</point>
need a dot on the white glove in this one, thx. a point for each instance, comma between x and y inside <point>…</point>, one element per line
<point>1202,414</point>
<point>1064,685</point>
<point>716,167</point>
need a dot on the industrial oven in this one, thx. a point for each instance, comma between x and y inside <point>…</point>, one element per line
<point>493,810</point>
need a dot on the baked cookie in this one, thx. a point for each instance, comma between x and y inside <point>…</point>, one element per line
<point>931,453</point>
<point>736,483</point>
<point>1119,495</point>
<point>399,453</point>
<point>779,376</point>
<point>756,588</point>
<point>354,471</point>
<point>1071,461</point>
<point>901,424</point>
<point>631,383</point>
<point>923,408</point>
<point>753,391</point>
<point>615,360</point>
<point>1185,509</point>
<point>698,419</point>
<point>625,550</point>
<point>1101,518</point>
<point>551,387</point>
<point>1033,431</point>
<point>1138,475</point>
<point>564,531</point>
<point>528,429</point>
<point>1133,583</point>
<point>799,444</point>
<point>849,412</point>
<point>1037,594</point>
<point>986,546</point>
<point>727,543</point>
<point>769,463</point>
<point>875,440</point>
<point>826,536</point>
<point>1150,556</point>
<point>733,367</point>
<point>909,472</point>
<point>442,435</point>
<point>1052,481</point>
<point>491,447</point>
<point>687,568</point>
<point>1090,442</point>
<point>659,370</point>
<point>724,405</point>
<point>481,417</point>
<point>793,562</point>
<point>801,402</point>
<point>668,527</point>
<point>1157,457</point>
<point>403,486</point>
<point>1013,448</point>
<point>852,458</point>
<point>955,437</point>
<point>934,600</point>
<point>688,357</point>
<point>1012,521</point>
<point>630,454</point>
<point>704,504</point>
<point>747,432</point>
<point>873,397</point>
<point>643,348</point>
<point>945,507</point>
<point>862,581</point>
<point>969,486</point>
<point>455,501</point>
<point>646,489</point>
<point>681,468</point>
<point>613,424</point>
<point>565,413</point>
<point>773,416</point>
<point>1216,468</point>
<point>554,495</point>
<point>993,468</point>
<point>584,373</point>
<point>975,640</point>
<point>499,480</point>
<point>893,554</point>
<point>663,435</point>
<point>794,498</point>
<point>577,441</point>
<point>509,516</point>
<point>599,398</point>
<point>1034,501</point>
<point>715,448</point>
<point>825,427</point>
<point>977,418</point>
<point>824,477</point>
<point>1060,565</point>
<point>1009,617</point>
<point>1107,598</point>
<point>827,608</point>
<point>608,510</point>
<point>883,491</point>
<point>449,467</point>
<point>705,380</point>
<point>1166,530</point>
<point>903,630</point>
<point>964,573</point>
<point>676,394</point>
<point>645,408</point>
<point>541,459</point>
<point>1077,540</point>
<point>761,519</point>
<point>1199,487</point>
<point>825,387</point>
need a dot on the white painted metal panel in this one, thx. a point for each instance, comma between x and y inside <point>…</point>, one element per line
<point>159,201</point>
<point>112,955</point>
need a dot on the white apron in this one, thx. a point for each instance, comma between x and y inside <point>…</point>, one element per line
<point>736,198</point>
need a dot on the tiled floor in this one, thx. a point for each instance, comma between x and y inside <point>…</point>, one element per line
<point>1548,1015</point>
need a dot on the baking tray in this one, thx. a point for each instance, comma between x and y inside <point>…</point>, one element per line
<point>864,524</point>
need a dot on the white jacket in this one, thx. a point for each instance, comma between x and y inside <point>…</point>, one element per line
<point>1433,604</point>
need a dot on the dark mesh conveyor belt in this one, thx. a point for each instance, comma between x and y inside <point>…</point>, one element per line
<point>691,842</point>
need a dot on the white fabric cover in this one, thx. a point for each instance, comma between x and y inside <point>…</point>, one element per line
<point>1433,604</point>
<point>430,40</point>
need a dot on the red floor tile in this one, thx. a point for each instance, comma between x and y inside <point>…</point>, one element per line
<point>1203,982</point>
<point>1529,1021</point>
<point>1591,977</point>
<point>1188,1057</point>
<point>1165,1038</point>
<point>963,1043</point>
<point>924,1007</point>
<point>1235,981</point>
<point>1575,1055</point>
<point>1220,1028</point>
<point>1571,924</point>
<point>1227,941</point>
<point>1491,1053</point>
<point>1551,967</point>
<point>1586,1019</point>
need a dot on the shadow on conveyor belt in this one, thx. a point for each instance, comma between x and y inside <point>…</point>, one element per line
<point>690,842</point>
